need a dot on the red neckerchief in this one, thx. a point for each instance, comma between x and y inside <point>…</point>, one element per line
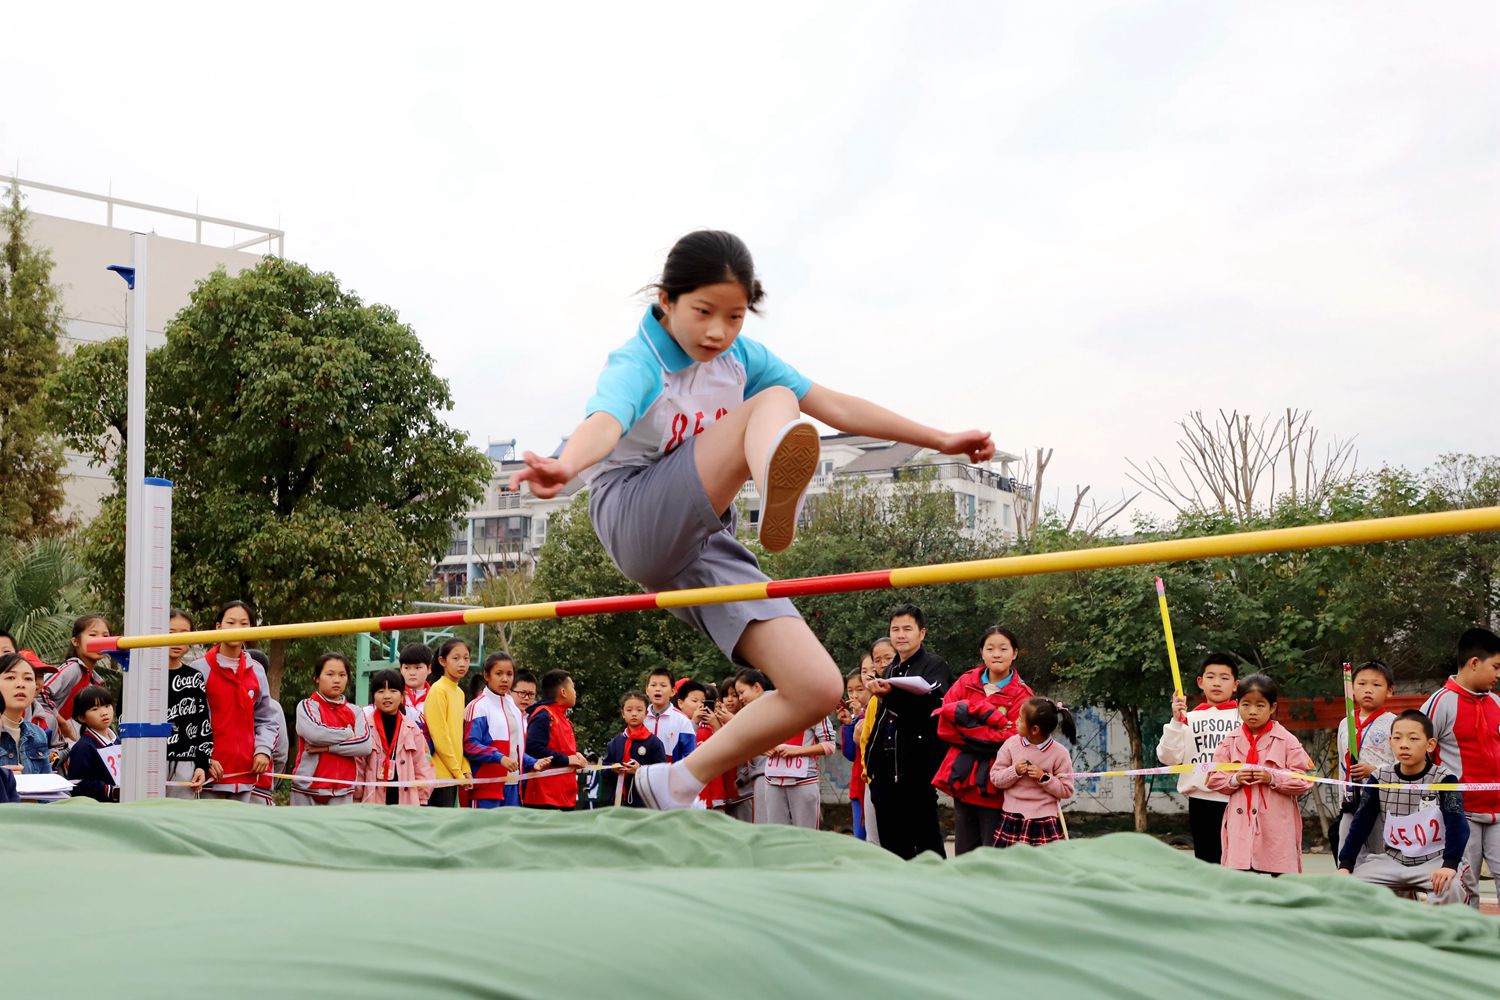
<point>1252,756</point>
<point>1231,703</point>
<point>413,700</point>
<point>634,734</point>
<point>388,747</point>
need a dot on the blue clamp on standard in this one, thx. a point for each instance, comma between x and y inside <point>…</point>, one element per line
<point>145,730</point>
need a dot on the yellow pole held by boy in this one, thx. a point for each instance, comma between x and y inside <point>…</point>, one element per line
<point>1166,624</point>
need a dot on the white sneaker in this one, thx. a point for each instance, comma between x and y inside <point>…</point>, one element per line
<point>652,788</point>
<point>789,468</point>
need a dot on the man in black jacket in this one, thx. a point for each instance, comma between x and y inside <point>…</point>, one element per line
<point>905,752</point>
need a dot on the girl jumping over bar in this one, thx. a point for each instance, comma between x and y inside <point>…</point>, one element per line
<point>685,413</point>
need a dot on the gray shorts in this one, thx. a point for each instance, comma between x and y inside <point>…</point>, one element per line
<point>658,526</point>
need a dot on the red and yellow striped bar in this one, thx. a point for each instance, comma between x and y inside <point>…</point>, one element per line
<point>1385,529</point>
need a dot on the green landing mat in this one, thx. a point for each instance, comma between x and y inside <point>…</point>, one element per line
<point>221,900</point>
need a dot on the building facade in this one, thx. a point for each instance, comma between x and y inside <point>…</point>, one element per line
<point>86,233</point>
<point>507,531</point>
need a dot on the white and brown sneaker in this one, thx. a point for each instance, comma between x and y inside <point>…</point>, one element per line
<point>789,468</point>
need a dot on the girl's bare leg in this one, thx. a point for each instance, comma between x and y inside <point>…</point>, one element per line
<point>808,688</point>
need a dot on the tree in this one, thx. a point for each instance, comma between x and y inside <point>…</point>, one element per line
<point>1031,514</point>
<point>1232,465</point>
<point>607,654</point>
<point>314,476</point>
<point>30,324</point>
<point>43,587</point>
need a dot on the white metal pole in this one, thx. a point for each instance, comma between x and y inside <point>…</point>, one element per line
<point>148,513</point>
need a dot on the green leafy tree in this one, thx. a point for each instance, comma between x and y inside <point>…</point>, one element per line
<point>302,428</point>
<point>30,324</point>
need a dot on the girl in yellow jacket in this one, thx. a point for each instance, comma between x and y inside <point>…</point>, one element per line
<point>444,711</point>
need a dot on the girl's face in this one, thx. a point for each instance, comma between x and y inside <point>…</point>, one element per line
<point>456,664</point>
<point>705,321</point>
<point>99,718</point>
<point>233,618</point>
<point>748,692</point>
<point>1028,727</point>
<point>333,679</point>
<point>998,654</point>
<point>1256,710</point>
<point>387,700</point>
<point>93,630</point>
<point>177,624</point>
<point>499,676</point>
<point>729,697</point>
<point>633,712</point>
<point>18,687</point>
<point>6,646</point>
<point>855,689</point>
<point>415,675</point>
<point>883,656</point>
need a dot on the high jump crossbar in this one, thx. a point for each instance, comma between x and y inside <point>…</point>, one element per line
<point>1313,536</point>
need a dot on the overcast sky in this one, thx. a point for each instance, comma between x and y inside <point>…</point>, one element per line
<point>1066,223</point>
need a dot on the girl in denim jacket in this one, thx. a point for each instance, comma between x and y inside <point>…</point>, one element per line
<point>23,745</point>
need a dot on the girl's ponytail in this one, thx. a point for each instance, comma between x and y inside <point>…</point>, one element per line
<point>1065,722</point>
<point>1050,716</point>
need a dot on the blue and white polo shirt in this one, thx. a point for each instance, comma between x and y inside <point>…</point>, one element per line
<point>662,397</point>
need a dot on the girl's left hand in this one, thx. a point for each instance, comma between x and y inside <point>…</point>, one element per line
<point>977,445</point>
<point>509,763</point>
<point>198,781</point>
<point>261,764</point>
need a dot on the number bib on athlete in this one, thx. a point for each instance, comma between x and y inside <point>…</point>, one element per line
<point>110,756</point>
<point>691,416</point>
<point>793,768</point>
<point>1415,834</point>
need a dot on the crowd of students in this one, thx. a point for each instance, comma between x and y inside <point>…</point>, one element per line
<point>435,735</point>
<point>1395,829</point>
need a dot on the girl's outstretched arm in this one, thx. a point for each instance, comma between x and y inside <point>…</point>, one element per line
<point>591,442</point>
<point>854,415</point>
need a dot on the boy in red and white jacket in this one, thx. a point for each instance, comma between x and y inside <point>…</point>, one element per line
<point>550,741</point>
<point>1465,716</point>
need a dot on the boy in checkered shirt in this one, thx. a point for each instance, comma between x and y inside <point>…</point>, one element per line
<point>1424,831</point>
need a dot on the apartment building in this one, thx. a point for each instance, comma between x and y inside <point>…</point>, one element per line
<point>508,529</point>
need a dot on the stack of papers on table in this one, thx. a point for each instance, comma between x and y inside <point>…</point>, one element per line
<point>43,787</point>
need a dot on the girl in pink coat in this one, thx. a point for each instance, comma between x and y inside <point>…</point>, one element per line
<point>1262,829</point>
<point>400,752</point>
<point>1036,773</point>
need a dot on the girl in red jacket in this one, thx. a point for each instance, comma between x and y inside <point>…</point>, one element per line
<point>979,713</point>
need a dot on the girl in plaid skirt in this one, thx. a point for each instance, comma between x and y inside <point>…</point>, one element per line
<point>1036,774</point>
